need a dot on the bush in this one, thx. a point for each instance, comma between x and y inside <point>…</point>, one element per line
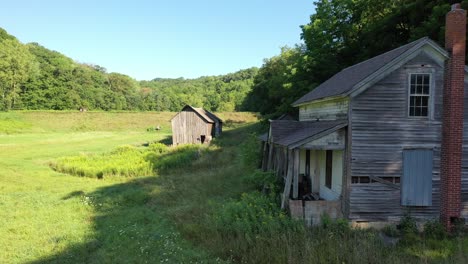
<point>253,214</point>
<point>250,150</point>
<point>158,148</point>
<point>266,182</point>
<point>391,231</point>
<point>435,230</point>
<point>408,225</point>
<point>334,227</point>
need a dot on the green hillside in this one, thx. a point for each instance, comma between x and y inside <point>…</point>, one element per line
<point>33,77</point>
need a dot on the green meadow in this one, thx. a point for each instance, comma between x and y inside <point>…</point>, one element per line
<point>49,216</point>
<point>104,187</point>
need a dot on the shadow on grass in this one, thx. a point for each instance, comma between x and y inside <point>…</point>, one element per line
<point>158,218</point>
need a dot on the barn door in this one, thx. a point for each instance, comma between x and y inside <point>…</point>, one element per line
<point>416,184</point>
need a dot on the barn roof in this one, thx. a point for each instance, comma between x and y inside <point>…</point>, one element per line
<point>210,115</point>
<point>289,132</point>
<point>204,114</point>
<point>353,77</point>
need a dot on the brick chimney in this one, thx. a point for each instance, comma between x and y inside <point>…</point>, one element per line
<point>452,127</point>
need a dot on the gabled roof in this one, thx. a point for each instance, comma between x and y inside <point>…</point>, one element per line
<point>353,77</point>
<point>209,114</point>
<point>288,132</point>
<point>203,114</point>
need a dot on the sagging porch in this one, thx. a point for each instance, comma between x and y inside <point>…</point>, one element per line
<point>310,159</point>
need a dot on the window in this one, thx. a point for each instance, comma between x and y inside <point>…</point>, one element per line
<point>328,168</point>
<point>416,182</point>
<point>419,94</point>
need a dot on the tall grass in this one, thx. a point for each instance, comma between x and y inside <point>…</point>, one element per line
<point>125,161</point>
<point>128,161</point>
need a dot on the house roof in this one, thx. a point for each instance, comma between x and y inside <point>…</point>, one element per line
<point>288,132</point>
<point>204,114</point>
<point>351,78</point>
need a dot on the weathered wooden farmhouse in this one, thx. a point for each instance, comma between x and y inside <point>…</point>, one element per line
<point>381,138</point>
<point>195,126</point>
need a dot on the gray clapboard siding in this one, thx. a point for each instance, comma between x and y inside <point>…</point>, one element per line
<point>381,129</point>
<point>326,110</point>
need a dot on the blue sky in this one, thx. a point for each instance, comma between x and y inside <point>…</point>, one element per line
<point>161,38</point>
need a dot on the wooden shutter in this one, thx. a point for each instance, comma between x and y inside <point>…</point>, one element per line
<point>416,184</point>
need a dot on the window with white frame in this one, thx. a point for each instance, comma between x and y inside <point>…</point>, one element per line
<point>419,94</point>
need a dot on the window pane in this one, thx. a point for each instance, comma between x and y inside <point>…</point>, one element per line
<point>412,101</point>
<point>419,79</point>
<point>413,79</point>
<point>424,111</point>
<point>413,88</point>
<point>424,101</point>
<point>426,79</point>
<point>417,111</point>
<point>425,89</point>
<point>411,111</point>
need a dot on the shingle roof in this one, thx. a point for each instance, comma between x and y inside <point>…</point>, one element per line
<point>287,132</point>
<point>345,80</point>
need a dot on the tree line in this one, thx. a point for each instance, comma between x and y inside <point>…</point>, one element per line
<point>34,77</point>
<point>340,33</point>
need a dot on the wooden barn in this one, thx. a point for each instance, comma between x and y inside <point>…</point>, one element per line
<point>195,126</point>
<point>381,138</point>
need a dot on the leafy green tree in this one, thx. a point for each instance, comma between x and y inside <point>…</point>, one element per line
<point>16,65</point>
<point>279,82</point>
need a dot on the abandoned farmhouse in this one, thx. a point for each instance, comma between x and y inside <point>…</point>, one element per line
<point>381,138</point>
<point>195,126</point>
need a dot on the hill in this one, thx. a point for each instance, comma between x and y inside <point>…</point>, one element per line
<point>33,77</point>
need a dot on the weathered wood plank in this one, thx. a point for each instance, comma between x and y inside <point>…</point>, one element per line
<point>287,184</point>
<point>296,174</point>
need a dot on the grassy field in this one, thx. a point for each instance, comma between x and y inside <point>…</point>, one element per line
<point>197,205</point>
<point>50,216</point>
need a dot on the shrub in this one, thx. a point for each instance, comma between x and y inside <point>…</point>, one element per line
<point>158,148</point>
<point>334,227</point>
<point>253,214</point>
<point>264,181</point>
<point>434,229</point>
<point>251,152</point>
<point>391,231</point>
<point>408,225</point>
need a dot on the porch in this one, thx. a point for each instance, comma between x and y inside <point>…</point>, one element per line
<point>309,158</point>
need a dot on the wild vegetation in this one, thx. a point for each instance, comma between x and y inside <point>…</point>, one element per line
<point>199,204</point>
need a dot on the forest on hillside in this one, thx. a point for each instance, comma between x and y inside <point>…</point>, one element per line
<point>340,33</point>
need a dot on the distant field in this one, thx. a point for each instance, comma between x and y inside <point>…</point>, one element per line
<point>48,216</point>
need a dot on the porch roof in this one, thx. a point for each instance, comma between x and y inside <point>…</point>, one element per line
<point>289,133</point>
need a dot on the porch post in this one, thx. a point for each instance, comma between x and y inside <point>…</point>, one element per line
<point>287,184</point>
<point>316,175</point>
<point>270,157</point>
<point>265,155</point>
<point>296,174</point>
